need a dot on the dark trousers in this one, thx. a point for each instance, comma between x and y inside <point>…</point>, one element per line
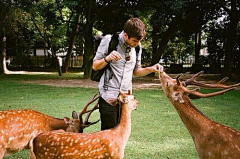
<point>109,114</point>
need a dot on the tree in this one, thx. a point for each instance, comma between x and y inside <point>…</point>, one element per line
<point>49,27</point>
<point>13,26</point>
<point>3,23</point>
<point>231,7</point>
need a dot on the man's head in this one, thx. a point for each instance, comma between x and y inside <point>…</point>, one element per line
<point>134,31</point>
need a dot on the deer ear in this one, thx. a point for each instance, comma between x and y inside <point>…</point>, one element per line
<point>177,97</point>
<point>66,120</point>
<point>74,115</point>
<point>123,99</point>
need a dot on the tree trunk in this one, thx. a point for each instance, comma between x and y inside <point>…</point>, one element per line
<point>88,51</point>
<point>59,67</point>
<point>3,64</point>
<point>71,44</point>
<point>57,59</point>
<point>197,45</point>
<point>231,40</point>
<point>163,44</point>
<point>155,41</point>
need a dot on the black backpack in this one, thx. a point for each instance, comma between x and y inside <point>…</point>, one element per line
<point>96,75</point>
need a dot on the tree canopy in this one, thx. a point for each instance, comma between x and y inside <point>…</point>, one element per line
<point>173,28</point>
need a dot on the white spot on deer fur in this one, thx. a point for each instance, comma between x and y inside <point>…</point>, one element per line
<point>100,149</point>
<point>225,152</point>
<point>112,154</point>
<point>209,153</point>
<point>82,155</point>
<point>100,156</point>
<point>88,141</point>
<point>68,139</point>
<point>111,143</point>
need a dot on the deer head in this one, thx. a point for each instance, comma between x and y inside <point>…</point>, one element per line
<point>77,124</point>
<point>128,98</point>
<point>73,124</point>
<point>175,89</point>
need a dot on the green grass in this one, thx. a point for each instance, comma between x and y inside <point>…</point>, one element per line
<point>157,131</point>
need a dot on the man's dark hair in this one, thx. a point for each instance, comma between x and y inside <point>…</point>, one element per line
<point>134,27</point>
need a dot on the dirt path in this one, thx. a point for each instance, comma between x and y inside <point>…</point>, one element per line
<point>138,82</point>
<point>143,83</point>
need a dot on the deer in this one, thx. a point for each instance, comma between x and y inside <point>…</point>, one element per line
<point>18,128</point>
<point>212,140</point>
<point>102,144</point>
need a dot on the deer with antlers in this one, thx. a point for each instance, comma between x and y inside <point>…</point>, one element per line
<point>18,128</point>
<point>103,144</point>
<point>212,140</point>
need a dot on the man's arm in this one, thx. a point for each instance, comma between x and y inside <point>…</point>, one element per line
<point>100,64</point>
<point>147,70</point>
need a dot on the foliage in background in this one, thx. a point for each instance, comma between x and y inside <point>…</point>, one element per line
<point>166,21</point>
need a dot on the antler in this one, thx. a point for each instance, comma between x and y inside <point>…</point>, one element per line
<point>192,81</point>
<point>195,94</point>
<point>86,123</point>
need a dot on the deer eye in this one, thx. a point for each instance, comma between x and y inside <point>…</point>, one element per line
<point>167,84</point>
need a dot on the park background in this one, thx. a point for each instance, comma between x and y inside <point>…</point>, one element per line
<point>47,49</point>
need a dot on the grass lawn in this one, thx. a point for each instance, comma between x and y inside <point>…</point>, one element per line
<point>157,131</point>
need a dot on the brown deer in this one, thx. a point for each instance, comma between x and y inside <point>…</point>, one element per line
<point>103,144</point>
<point>212,140</point>
<point>19,127</point>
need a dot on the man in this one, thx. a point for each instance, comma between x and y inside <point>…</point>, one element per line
<point>124,62</point>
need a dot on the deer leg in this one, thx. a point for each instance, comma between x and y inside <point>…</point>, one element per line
<point>2,153</point>
<point>31,153</point>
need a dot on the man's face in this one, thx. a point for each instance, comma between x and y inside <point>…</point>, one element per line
<point>132,42</point>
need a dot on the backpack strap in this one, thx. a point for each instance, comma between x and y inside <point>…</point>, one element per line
<point>113,43</point>
<point>112,46</point>
<point>137,49</point>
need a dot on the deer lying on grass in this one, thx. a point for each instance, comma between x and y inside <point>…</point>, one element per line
<point>103,144</point>
<point>212,140</point>
<point>19,127</point>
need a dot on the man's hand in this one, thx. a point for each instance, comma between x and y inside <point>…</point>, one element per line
<point>113,56</point>
<point>157,68</point>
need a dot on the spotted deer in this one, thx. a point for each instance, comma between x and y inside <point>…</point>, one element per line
<point>212,140</point>
<point>19,127</point>
<point>102,144</point>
